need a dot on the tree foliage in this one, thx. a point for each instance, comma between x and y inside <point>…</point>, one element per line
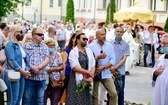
<point>111,12</point>
<point>8,6</point>
<point>70,11</point>
<point>107,15</point>
<point>166,25</point>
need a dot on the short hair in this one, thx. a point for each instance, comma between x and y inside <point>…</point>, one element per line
<point>115,25</point>
<point>50,28</point>
<point>25,37</point>
<point>49,40</point>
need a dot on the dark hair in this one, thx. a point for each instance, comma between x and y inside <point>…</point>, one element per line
<point>70,44</point>
<point>78,37</point>
<point>115,25</point>
<point>3,25</point>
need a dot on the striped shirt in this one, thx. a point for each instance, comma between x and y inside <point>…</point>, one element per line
<point>121,48</point>
<point>36,54</point>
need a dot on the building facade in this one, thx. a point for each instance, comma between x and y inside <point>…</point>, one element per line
<point>86,10</point>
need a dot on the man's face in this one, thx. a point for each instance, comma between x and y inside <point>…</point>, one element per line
<point>164,42</point>
<point>38,35</point>
<point>119,31</point>
<point>101,35</point>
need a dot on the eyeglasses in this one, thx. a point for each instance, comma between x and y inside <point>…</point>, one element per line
<point>39,34</point>
<point>85,39</point>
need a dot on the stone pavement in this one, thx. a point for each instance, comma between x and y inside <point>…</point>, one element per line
<point>138,87</point>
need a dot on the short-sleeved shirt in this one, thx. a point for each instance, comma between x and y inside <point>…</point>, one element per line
<point>36,54</point>
<point>61,34</point>
<point>121,49</point>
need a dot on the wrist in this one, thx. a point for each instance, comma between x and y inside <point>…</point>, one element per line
<point>104,67</point>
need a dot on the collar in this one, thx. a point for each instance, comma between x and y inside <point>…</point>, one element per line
<point>118,42</point>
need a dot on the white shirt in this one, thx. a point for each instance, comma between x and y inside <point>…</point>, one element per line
<point>147,39</point>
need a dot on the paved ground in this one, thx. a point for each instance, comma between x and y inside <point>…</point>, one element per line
<point>138,85</point>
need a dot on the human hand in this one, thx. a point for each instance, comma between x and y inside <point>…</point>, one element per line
<point>113,69</point>
<point>99,69</point>
<point>50,71</point>
<point>36,69</point>
<point>25,74</point>
<point>102,55</point>
<point>159,70</point>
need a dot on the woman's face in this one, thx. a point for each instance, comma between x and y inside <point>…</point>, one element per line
<point>29,38</point>
<point>18,35</point>
<point>51,45</point>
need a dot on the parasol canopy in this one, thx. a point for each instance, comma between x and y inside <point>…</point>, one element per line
<point>135,14</point>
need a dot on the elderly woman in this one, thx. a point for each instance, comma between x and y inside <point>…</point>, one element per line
<point>27,38</point>
<point>56,65</point>
<point>17,61</point>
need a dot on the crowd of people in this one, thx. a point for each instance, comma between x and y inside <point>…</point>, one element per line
<point>87,55</point>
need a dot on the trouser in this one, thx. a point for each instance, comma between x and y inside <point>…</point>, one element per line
<point>61,44</point>
<point>147,48</point>
<point>108,83</point>
<point>1,98</point>
<point>120,95</point>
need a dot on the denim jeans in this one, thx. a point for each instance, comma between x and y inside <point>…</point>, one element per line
<point>147,48</point>
<point>120,95</point>
<point>34,92</point>
<point>15,90</point>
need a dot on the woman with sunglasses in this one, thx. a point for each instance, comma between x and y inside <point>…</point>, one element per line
<point>82,63</point>
<point>17,60</point>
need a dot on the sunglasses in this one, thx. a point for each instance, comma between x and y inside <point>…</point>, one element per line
<point>39,34</point>
<point>85,39</point>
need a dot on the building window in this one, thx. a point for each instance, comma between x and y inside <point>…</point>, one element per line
<point>51,4</point>
<point>118,4</point>
<point>28,2</point>
<point>59,3</point>
<point>104,4</point>
<point>158,5</point>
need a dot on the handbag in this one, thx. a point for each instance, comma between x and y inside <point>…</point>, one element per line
<point>57,83</point>
<point>13,75</point>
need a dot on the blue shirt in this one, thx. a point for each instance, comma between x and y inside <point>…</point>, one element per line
<point>121,49</point>
<point>110,56</point>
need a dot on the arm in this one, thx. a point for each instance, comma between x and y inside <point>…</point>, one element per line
<point>44,63</point>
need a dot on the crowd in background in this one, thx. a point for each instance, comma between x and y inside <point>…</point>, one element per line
<point>48,50</point>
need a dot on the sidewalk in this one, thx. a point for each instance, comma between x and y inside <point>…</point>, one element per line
<point>138,87</point>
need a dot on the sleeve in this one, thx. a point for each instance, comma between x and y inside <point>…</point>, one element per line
<point>112,55</point>
<point>73,59</point>
<point>10,55</point>
<point>127,50</point>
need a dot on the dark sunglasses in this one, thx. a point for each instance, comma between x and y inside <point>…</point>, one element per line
<point>85,39</point>
<point>39,34</point>
<point>20,31</point>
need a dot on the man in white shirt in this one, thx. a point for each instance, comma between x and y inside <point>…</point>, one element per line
<point>149,38</point>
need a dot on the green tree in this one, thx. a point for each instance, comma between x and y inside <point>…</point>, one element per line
<point>107,15</point>
<point>111,9</point>
<point>166,25</point>
<point>8,6</point>
<point>70,11</point>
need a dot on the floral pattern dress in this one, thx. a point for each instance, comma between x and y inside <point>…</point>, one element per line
<point>84,97</point>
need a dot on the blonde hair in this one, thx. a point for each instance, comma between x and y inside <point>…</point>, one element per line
<point>49,40</point>
<point>12,30</point>
<point>25,38</point>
